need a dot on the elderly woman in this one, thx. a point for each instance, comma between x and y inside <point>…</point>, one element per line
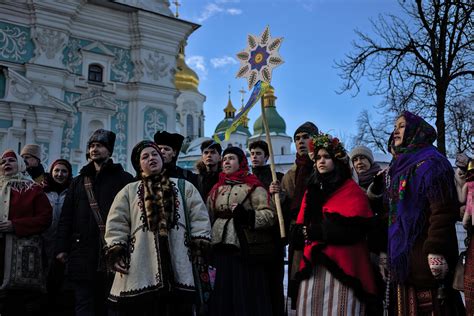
<point>153,231</point>
<point>241,239</point>
<point>422,211</point>
<point>24,212</point>
<point>336,274</point>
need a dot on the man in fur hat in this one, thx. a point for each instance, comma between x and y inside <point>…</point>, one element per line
<point>170,146</point>
<point>208,167</point>
<point>82,223</point>
<point>31,154</point>
<point>294,185</point>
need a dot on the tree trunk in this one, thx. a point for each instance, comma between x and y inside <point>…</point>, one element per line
<point>440,120</point>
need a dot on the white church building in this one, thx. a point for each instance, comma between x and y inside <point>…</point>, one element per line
<point>68,68</point>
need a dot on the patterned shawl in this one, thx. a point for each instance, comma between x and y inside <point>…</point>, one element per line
<point>416,175</point>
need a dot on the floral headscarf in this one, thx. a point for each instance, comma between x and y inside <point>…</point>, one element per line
<point>417,172</point>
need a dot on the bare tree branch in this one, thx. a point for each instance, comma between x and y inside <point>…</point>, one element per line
<point>421,61</point>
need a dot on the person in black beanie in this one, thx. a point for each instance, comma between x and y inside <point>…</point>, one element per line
<point>294,185</point>
<point>170,146</point>
<point>81,226</point>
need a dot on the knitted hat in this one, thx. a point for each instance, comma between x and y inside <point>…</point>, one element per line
<point>362,151</point>
<point>174,140</point>
<point>32,150</point>
<point>210,144</point>
<point>63,162</point>
<point>104,137</point>
<point>236,151</point>
<point>462,160</point>
<point>307,127</point>
<point>136,151</point>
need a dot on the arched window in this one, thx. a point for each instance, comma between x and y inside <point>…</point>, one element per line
<point>95,73</point>
<point>190,126</point>
<point>282,150</point>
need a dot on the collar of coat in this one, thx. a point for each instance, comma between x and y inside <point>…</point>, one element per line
<point>108,167</point>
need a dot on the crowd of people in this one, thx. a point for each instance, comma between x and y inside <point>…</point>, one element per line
<point>360,239</point>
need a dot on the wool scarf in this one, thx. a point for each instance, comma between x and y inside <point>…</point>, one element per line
<point>304,168</point>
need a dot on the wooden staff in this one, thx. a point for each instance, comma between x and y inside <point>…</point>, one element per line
<point>276,196</point>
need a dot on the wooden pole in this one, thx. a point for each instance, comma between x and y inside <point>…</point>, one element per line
<point>276,196</point>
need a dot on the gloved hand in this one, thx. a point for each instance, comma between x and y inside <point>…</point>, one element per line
<point>438,265</point>
<point>315,232</point>
<point>297,237</point>
<point>383,265</point>
<point>243,216</point>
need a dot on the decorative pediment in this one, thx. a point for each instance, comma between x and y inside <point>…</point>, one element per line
<point>95,100</point>
<point>23,90</point>
<point>98,48</point>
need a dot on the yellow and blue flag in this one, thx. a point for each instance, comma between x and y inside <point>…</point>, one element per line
<point>259,90</point>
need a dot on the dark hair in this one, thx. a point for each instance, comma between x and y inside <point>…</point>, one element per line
<point>210,144</point>
<point>260,144</point>
<point>322,185</point>
<point>236,151</point>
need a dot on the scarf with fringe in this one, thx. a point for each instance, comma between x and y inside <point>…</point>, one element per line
<point>418,173</point>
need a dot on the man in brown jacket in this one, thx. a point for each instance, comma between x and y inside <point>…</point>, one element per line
<point>294,184</point>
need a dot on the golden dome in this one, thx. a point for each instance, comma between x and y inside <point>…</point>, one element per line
<point>268,98</point>
<point>185,78</point>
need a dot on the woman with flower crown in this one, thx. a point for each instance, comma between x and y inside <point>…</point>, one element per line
<point>335,272</point>
<point>422,210</point>
<point>337,277</point>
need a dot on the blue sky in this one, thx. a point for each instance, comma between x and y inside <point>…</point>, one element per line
<point>316,33</point>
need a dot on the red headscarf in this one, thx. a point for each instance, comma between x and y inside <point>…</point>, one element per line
<point>242,175</point>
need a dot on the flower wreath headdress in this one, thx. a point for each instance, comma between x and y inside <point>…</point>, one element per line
<point>332,144</point>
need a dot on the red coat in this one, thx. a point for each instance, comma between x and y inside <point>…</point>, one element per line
<point>30,211</point>
<point>349,261</point>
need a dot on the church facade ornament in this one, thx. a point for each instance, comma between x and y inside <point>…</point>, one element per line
<point>14,43</point>
<point>155,120</point>
<point>156,66</point>
<point>50,41</point>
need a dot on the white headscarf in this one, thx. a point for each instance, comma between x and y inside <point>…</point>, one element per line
<point>18,182</point>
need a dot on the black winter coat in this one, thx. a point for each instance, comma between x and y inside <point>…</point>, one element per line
<point>78,233</point>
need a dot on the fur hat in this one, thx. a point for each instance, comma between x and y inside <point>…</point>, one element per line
<point>362,151</point>
<point>210,144</point>
<point>32,150</point>
<point>174,140</point>
<point>106,138</point>
<point>236,151</point>
<point>307,127</point>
